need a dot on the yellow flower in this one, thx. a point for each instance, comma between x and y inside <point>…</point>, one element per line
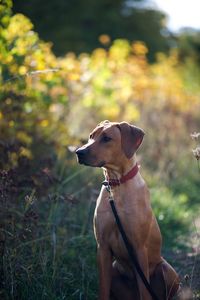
<point>22,70</point>
<point>104,39</point>
<point>44,123</point>
<point>139,48</point>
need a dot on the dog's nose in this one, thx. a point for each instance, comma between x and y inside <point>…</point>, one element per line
<point>81,153</point>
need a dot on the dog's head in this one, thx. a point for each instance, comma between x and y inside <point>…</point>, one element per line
<point>109,144</point>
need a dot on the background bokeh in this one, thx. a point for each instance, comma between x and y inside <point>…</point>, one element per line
<point>81,63</point>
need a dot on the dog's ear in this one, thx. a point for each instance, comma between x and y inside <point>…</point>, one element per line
<point>131,137</point>
<point>103,122</point>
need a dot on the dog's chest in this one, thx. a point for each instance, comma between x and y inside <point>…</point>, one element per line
<point>117,246</point>
<point>133,216</point>
<point>107,232</point>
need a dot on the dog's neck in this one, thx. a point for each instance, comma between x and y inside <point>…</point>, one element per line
<point>116,175</point>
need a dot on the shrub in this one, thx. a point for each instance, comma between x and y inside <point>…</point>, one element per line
<point>173,215</point>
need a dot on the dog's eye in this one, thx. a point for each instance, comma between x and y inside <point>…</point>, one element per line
<point>106,139</point>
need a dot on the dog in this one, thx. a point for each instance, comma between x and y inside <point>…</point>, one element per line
<point>112,146</point>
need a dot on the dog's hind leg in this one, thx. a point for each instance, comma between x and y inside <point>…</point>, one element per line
<point>122,287</point>
<point>164,281</point>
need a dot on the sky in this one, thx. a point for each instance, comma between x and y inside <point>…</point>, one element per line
<point>181,13</point>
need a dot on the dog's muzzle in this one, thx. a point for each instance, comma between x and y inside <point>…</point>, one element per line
<point>85,157</point>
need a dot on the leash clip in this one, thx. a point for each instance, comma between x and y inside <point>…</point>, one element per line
<point>108,189</point>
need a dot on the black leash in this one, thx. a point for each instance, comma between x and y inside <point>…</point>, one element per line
<point>129,248</point>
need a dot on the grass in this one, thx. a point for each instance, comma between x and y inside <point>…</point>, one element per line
<point>49,251</point>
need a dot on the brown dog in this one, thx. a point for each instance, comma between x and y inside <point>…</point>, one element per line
<point>113,146</point>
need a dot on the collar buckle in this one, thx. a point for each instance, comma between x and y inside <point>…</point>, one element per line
<point>116,182</point>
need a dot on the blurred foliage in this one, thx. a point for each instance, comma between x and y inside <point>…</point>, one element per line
<point>47,248</point>
<point>48,103</point>
<point>79,24</point>
<point>43,94</point>
<point>166,206</point>
<point>189,44</point>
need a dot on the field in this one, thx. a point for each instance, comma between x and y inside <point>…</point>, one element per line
<point>48,106</point>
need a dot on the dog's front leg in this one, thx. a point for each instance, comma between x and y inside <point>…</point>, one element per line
<point>104,259</point>
<point>143,261</point>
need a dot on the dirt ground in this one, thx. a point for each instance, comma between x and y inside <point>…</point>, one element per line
<point>187,264</point>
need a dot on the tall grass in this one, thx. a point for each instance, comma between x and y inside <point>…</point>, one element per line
<point>47,241</point>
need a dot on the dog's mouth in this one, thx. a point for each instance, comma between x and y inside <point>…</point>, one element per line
<point>82,161</point>
<point>91,163</point>
<point>101,164</point>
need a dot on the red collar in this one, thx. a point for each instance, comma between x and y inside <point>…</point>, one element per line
<point>124,178</point>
